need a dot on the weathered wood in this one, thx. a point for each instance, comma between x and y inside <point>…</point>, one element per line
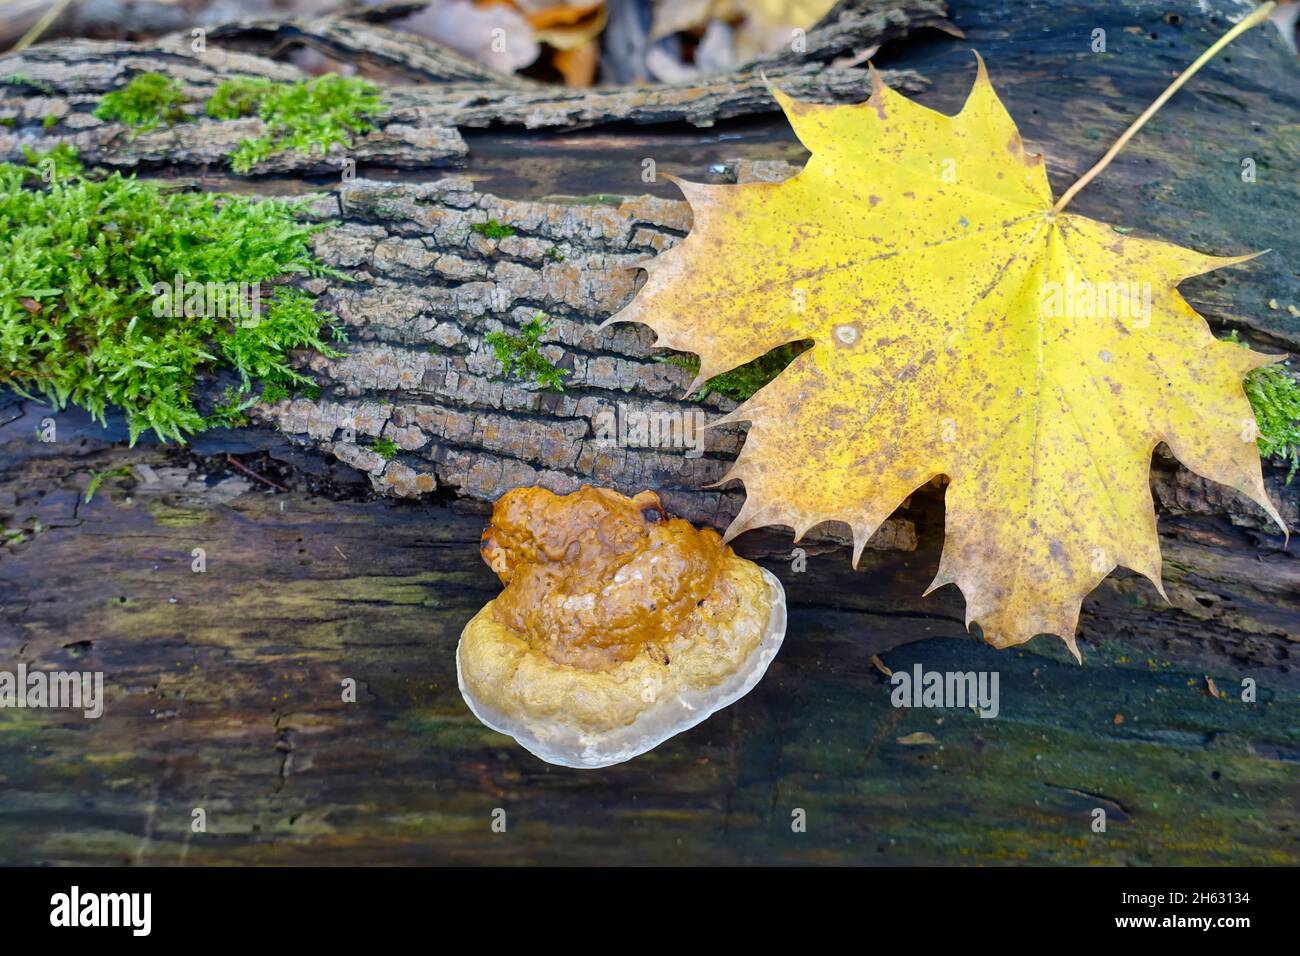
<point>224,693</point>
<point>428,281</point>
<point>224,686</point>
<point>419,128</point>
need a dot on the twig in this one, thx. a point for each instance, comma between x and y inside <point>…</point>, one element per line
<point>1259,16</point>
<point>41,25</point>
<point>252,474</point>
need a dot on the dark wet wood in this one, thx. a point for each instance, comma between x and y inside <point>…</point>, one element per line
<point>225,692</point>
<point>224,687</point>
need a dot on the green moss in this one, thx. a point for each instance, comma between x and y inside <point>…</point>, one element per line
<point>80,266</point>
<point>519,355</point>
<point>148,101</point>
<point>274,393</point>
<point>386,448</point>
<point>20,535</point>
<point>97,478</point>
<point>256,351</point>
<point>230,412</point>
<point>23,80</point>
<point>8,121</point>
<point>50,121</point>
<point>492,229</point>
<point>58,162</point>
<point>238,97</point>
<point>740,383</point>
<point>304,116</point>
<point>1275,398</point>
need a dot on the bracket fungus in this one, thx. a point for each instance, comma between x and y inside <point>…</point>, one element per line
<point>618,627</point>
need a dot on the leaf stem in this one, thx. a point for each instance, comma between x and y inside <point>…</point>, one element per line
<point>43,24</point>
<point>1260,15</point>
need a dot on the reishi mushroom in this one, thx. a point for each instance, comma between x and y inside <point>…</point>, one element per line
<point>618,626</point>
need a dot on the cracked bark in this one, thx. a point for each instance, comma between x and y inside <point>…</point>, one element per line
<point>427,288</point>
<point>420,125</point>
<point>425,282</point>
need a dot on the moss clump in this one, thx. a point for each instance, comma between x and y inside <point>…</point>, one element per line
<point>385,447</point>
<point>274,393</point>
<point>493,229</point>
<point>1275,398</point>
<point>238,97</point>
<point>519,355</point>
<point>58,162</point>
<point>741,383</point>
<point>148,101</point>
<point>302,116</point>
<point>81,263</point>
<point>230,413</point>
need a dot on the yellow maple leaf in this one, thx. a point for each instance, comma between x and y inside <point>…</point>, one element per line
<point>964,327</point>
